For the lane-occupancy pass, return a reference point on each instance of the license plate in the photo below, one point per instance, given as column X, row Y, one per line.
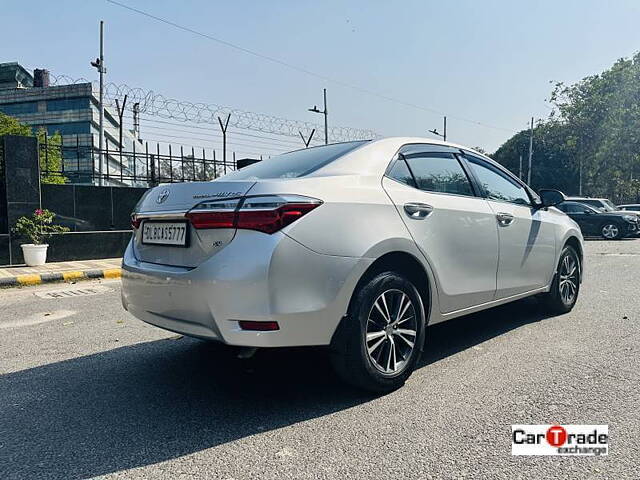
column 165, row 233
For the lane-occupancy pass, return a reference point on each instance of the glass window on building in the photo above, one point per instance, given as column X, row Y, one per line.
column 67, row 104
column 19, row 108
column 71, row 128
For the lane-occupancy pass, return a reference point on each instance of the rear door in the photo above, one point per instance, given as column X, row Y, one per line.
column 164, row 235
column 454, row 228
column 526, row 234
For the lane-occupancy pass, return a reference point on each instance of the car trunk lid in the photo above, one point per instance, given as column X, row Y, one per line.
column 167, row 205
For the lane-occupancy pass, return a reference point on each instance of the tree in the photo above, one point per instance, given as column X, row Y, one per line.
column 594, row 129
column 11, row 126
column 50, row 157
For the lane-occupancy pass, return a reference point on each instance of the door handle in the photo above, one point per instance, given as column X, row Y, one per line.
column 504, row 219
column 417, row 211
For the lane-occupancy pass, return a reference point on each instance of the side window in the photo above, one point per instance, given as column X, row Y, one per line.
column 439, row 172
column 401, row 173
column 497, row 185
column 572, row 208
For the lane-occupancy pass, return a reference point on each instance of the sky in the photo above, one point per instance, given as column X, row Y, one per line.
column 488, row 65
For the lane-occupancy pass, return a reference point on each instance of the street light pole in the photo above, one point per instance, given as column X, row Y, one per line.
column 530, row 153
column 444, row 134
column 99, row 65
column 325, row 113
column 580, row 175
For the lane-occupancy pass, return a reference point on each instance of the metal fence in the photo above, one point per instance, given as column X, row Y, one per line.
column 140, row 166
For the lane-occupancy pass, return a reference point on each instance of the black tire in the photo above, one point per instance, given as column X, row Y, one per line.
column 350, row 348
column 556, row 300
column 608, row 227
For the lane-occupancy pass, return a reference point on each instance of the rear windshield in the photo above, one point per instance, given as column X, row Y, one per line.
column 294, row 164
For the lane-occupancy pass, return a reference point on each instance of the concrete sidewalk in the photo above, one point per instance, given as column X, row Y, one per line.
column 20, row 275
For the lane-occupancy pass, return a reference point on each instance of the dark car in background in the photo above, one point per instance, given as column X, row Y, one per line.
column 594, row 222
column 604, row 204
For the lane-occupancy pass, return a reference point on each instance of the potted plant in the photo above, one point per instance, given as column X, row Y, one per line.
column 37, row 228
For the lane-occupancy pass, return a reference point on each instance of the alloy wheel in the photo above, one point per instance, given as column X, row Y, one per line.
column 610, row 231
column 568, row 284
column 391, row 331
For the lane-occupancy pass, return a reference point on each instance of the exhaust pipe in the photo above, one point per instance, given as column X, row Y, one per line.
column 246, row 352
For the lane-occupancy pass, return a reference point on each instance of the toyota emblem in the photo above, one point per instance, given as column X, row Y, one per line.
column 162, row 196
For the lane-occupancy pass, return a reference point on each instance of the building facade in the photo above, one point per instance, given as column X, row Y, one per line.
column 73, row 112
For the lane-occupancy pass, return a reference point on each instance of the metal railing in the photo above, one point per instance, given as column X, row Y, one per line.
column 141, row 166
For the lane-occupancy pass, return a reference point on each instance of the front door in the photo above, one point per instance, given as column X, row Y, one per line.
column 454, row 228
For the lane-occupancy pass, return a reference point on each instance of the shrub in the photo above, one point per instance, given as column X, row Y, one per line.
column 38, row 227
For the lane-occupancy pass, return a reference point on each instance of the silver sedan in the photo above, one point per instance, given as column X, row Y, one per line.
column 357, row 246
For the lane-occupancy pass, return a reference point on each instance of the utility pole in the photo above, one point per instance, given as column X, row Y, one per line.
column 99, row 65
column 530, row 152
column 444, row 134
column 325, row 112
column 520, row 170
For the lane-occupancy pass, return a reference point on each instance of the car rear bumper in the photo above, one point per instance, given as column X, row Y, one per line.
column 256, row 277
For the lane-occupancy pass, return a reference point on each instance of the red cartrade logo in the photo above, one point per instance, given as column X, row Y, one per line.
column 560, row 440
column 556, row 436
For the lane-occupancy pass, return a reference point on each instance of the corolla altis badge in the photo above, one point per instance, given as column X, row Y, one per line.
column 162, row 196
column 219, row 194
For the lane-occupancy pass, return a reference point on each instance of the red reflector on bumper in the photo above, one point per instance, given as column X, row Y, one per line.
column 258, row 326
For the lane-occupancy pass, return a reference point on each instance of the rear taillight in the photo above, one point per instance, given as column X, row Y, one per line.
column 135, row 221
column 265, row 213
column 214, row 214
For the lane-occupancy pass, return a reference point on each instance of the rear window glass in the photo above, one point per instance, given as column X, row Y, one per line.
column 294, row 164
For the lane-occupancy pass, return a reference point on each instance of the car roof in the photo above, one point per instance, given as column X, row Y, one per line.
column 586, row 198
column 403, row 140
column 568, row 200
column 374, row 156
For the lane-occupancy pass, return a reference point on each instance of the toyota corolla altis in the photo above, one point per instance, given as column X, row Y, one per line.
column 357, row 246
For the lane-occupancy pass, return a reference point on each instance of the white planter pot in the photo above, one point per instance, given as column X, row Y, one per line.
column 34, row 255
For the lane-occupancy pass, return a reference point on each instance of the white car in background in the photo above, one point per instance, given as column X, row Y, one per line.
column 630, row 207
column 357, row 246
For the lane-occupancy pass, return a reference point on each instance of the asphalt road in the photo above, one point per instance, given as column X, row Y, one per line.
column 86, row 391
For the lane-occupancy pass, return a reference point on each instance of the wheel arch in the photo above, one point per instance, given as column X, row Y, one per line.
column 404, row 263
column 574, row 242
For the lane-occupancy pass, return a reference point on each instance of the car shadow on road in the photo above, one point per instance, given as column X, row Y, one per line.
column 448, row 338
column 146, row 403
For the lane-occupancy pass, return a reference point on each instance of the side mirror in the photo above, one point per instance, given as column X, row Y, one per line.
column 550, row 197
